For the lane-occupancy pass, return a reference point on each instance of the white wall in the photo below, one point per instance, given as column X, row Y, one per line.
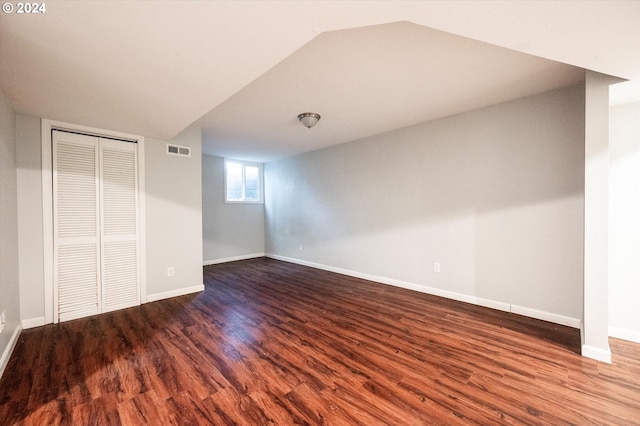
column 174, row 216
column 494, row 195
column 9, row 272
column 31, row 259
column 595, row 330
column 624, row 214
column 231, row 231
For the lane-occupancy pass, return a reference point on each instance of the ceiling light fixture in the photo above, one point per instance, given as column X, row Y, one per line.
column 309, row 119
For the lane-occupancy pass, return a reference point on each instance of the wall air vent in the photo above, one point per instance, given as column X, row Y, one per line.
column 182, row 151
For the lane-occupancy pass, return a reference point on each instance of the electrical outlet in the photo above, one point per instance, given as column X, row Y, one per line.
column 436, row 267
column 170, row 271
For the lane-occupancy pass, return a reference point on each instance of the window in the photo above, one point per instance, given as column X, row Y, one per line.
column 243, row 182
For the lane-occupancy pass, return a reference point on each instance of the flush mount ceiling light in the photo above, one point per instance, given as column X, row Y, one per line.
column 309, row 119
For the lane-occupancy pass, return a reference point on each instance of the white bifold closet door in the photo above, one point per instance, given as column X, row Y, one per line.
column 95, row 197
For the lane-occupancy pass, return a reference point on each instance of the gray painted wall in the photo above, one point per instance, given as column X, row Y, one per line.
column 229, row 230
column 9, row 273
column 174, row 215
column 31, row 260
column 624, row 216
column 493, row 195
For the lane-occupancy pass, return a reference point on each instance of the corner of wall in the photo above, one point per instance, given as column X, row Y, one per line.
column 9, row 246
column 597, row 353
column 8, row 350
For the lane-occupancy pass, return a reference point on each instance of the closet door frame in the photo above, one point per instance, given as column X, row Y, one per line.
column 47, row 126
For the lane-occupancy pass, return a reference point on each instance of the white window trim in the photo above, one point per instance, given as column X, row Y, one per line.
column 260, row 186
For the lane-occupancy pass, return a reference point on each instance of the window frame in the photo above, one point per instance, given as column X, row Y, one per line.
column 244, row 165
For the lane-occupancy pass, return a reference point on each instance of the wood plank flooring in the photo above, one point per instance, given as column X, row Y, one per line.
column 273, row 343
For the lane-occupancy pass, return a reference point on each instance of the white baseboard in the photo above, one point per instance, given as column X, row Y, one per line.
column 175, row 293
column 9, row 349
column 625, row 334
column 232, row 259
column 546, row 316
column 599, row 354
column 32, row 322
column 488, row 303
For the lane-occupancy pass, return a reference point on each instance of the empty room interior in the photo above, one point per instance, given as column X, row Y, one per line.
column 369, row 212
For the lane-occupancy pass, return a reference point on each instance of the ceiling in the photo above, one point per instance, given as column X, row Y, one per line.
column 371, row 80
column 243, row 70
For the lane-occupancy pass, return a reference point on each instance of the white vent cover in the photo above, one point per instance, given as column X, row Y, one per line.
column 182, row 151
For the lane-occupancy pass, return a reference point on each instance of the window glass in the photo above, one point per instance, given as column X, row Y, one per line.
column 243, row 182
column 252, row 183
column 234, row 181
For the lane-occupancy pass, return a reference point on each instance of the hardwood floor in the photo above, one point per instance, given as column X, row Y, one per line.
column 273, row 343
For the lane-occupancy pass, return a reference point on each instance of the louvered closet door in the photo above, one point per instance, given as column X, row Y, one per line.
column 95, row 225
column 119, row 238
column 76, row 225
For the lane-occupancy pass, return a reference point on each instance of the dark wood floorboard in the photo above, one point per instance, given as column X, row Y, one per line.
column 273, row 343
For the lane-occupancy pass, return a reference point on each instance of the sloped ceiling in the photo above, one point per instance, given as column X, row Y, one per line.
column 154, row 68
column 371, row 80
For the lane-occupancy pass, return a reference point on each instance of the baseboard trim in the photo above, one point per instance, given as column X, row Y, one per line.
column 487, row 303
column 625, row 334
column 599, row 354
column 6, row 355
column 32, row 323
column 546, row 316
column 174, row 293
column 232, row 259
